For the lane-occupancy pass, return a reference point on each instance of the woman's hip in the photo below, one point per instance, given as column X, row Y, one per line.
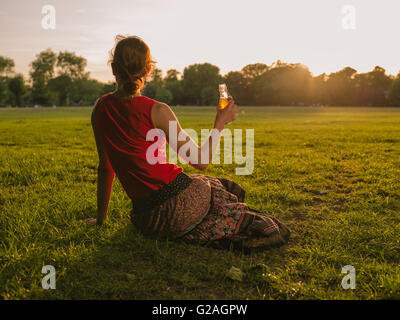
column 179, row 211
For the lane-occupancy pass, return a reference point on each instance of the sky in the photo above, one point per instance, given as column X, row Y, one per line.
column 226, row 33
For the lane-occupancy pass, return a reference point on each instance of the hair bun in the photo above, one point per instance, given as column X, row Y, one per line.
column 131, row 87
column 131, row 63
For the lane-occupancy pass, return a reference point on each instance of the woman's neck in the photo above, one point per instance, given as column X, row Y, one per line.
column 120, row 94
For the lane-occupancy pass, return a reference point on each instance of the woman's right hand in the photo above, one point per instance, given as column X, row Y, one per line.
column 228, row 114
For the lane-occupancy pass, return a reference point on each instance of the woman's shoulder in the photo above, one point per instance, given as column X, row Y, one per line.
column 99, row 103
column 145, row 103
column 147, row 100
column 103, row 98
column 140, row 102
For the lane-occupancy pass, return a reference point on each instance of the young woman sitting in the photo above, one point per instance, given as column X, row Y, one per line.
column 167, row 203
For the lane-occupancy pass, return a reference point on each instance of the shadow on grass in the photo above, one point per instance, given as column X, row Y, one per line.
column 127, row 265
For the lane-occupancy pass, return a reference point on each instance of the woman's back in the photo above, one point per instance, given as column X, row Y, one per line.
column 122, row 125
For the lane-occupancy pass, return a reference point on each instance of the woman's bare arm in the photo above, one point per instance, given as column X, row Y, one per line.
column 162, row 114
column 105, row 177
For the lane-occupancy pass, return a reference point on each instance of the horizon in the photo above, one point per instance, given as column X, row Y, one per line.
column 308, row 32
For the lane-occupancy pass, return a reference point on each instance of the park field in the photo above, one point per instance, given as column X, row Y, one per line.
column 332, row 175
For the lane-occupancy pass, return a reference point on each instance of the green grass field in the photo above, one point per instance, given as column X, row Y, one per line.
column 331, row 174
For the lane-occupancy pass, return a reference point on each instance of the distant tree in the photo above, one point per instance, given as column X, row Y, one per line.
column 163, row 95
column 250, row 81
column 362, row 89
column 236, row 86
column 150, row 90
column 174, row 86
column 70, row 70
column 61, row 78
column 6, row 66
column 196, row 78
column 253, row 71
column 319, row 89
column 287, row 84
column 71, row 65
column 17, row 87
column 42, row 70
column 72, row 78
column 156, row 78
column 341, row 87
column 209, row 96
column 4, row 91
column 394, row 94
column 86, row 91
column 172, row 75
column 153, row 83
column 108, row 87
column 381, row 84
column 373, row 88
column 6, row 69
column 61, row 87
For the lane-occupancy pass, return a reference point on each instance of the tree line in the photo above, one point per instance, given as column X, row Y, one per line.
column 61, row 79
column 54, row 79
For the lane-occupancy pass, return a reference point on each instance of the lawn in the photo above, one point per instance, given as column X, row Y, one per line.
column 331, row 174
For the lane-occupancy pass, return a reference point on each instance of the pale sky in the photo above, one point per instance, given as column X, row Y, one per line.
column 227, row 33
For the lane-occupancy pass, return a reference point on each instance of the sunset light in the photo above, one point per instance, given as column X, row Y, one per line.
column 229, row 34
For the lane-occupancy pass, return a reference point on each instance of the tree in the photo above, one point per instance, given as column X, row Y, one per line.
column 174, row 86
column 61, row 87
column 70, row 69
column 209, row 96
column 156, row 78
column 4, row 91
column 319, row 89
column 236, row 86
column 61, row 78
column 284, row 84
column 255, row 70
column 42, row 70
column 6, row 66
column 163, row 95
column 251, row 74
column 196, row 78
column 172, row 75
column 108, row 87
column 394, row 94
column 17, row 87
column 373, row 88
column 86, row 91
column 71, row 65
column 341, row 87
column 153, row 83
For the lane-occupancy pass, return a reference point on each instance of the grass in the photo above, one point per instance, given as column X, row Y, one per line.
column 331, row 174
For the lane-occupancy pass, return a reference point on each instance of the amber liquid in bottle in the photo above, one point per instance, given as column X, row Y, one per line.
column 223, row 96
column 223, row 102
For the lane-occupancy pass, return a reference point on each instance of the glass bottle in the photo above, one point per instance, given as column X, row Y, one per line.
column 223, row 96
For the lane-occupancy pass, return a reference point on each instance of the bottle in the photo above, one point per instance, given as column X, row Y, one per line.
column 223, row 96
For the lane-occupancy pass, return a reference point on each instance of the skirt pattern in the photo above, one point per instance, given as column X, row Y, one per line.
column 212, row 211
column 231, row 222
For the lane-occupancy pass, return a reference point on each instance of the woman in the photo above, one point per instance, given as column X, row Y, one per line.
column 166, row 201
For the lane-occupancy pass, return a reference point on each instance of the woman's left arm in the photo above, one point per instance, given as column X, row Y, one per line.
column 105, row 177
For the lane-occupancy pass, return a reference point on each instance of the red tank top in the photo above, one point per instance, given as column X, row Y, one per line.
column 122, row 125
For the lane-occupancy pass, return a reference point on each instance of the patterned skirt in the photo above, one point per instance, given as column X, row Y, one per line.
column 207, row 210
